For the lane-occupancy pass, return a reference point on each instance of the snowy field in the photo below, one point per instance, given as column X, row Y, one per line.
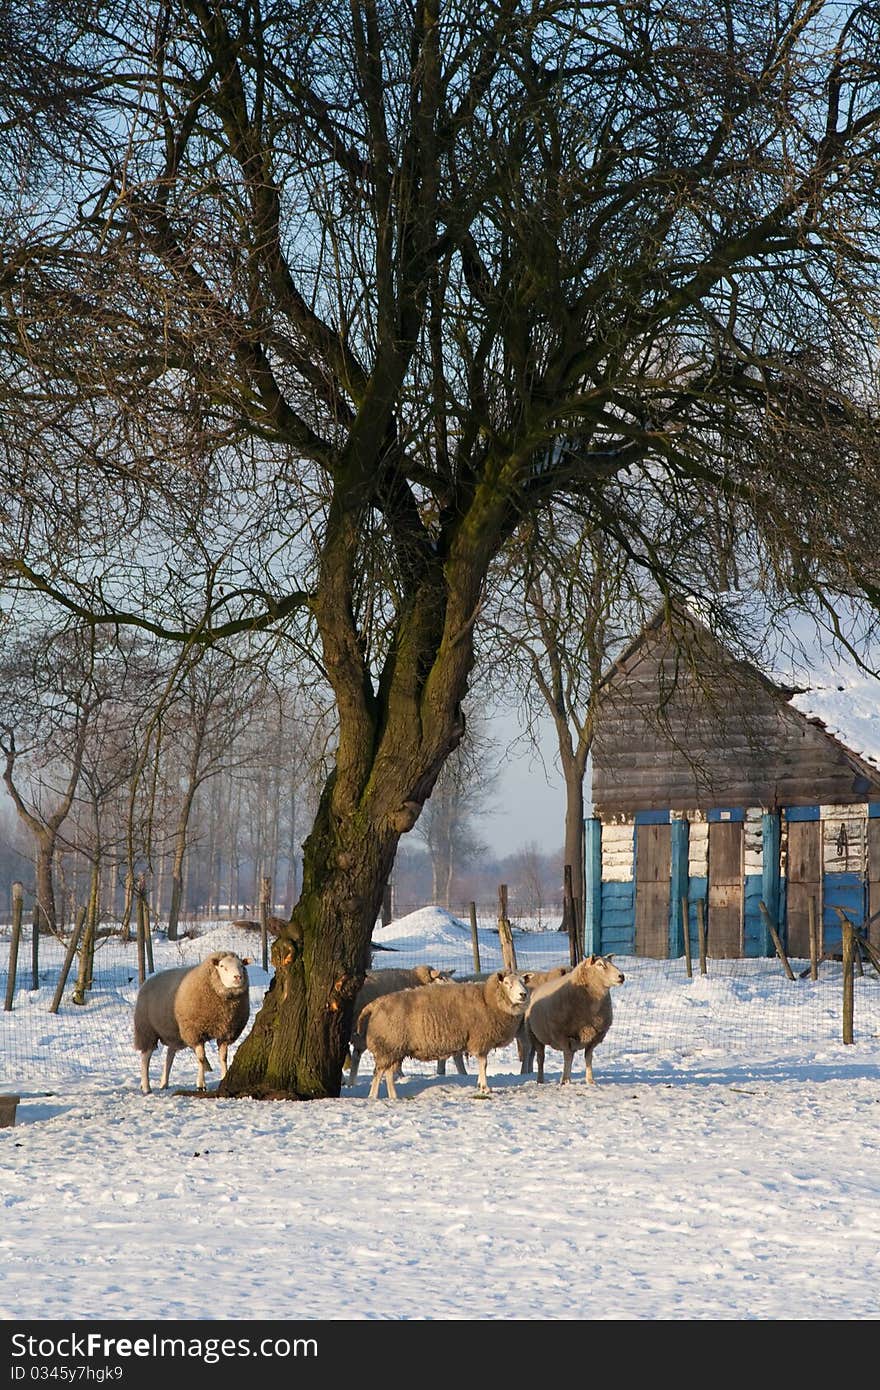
column 725, row 1166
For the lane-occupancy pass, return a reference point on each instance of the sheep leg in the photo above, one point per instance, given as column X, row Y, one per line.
column 568, row 1058
column 588, row 1062
column 171, row 1052
column 460, row 1067
column 441, row 1066
column 221, row 1052
column 374, row 1084
column 389, row 1083
column 203, row 1065
column 145, row 1071
column 482, row 1083
column 356, row 1055
column 539, row 1055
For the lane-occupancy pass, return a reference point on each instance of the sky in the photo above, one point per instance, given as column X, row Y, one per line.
column 527, row 804
column 725, row 1166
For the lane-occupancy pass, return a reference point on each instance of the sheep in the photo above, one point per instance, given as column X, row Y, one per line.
column 573, row 1012
column 431, row 1024
column 186, row 1007
column 379, row 982
column 532, row 979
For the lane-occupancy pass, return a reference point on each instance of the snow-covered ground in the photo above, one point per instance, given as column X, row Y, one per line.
column 725, row 1166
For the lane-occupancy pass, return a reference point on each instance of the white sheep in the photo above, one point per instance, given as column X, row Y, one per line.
column 188, row 1006
column 533, row 979
column 379, row 982
column 430, row 1024
column 573, row 1012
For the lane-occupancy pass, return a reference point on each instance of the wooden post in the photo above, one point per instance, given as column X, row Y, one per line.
column 68, row 960
column 505, row 935
column 848, row 945
column 148, row 937
column 265, row 890
column 686, row 937
column 569, row 916
column 386, row 905
column 701, row 933
column 777, row 942
column 475, row 940
column 17, row 910
column 35, row 949
column 141, row 944
column 814, row 941
column 871, row 952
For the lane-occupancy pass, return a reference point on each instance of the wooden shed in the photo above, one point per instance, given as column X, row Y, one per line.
column 710, row 783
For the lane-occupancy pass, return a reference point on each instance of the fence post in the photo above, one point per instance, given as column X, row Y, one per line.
column 68, row 960
column 35, row 948
column 141, row 944
column 777, row 941
column 686, row 935
column 17, row 909
column 814, row 941
column 386, row 905
column 701, row 933
column 148, row 930
column 848, row 944
column 475, row 940
column 505, row 935
column 265, row 890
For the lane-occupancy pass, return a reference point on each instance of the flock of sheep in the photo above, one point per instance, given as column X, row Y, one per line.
column 420, row 1013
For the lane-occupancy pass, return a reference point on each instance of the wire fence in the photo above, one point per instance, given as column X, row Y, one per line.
column 659, row 1010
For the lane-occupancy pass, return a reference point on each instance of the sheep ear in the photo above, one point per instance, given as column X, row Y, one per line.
column 592, row 960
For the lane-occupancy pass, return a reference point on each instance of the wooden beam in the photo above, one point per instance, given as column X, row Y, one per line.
column 777, row 942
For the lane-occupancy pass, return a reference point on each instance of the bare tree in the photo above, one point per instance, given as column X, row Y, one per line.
column 53, row 687
column 564, row 608
column 461, row 794
column 305, row 310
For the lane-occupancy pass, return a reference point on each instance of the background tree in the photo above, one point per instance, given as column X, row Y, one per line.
column 448, row 825
column 306, row 309
column 52, row 687
column 565, row 608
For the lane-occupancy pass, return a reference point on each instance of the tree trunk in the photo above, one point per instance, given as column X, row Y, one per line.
column 177, row 861
column 45, row 882
column 299, row 1039
column 448, row 871
column 574, row 829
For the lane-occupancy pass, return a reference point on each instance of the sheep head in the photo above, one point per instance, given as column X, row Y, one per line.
column 231, row 973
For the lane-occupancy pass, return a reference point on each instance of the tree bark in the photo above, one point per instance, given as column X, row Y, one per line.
column 299, row 1038
column 574, row 825
column 45, row 885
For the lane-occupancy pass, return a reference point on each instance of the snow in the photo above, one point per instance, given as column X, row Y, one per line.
column 726, row 1165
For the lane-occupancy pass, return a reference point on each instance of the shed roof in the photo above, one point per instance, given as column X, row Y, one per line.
column 814, row 679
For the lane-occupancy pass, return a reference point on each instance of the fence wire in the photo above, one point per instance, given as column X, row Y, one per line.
column 738, row 1004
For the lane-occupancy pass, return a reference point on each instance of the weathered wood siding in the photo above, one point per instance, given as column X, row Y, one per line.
column 689, row 727
column 653, row 871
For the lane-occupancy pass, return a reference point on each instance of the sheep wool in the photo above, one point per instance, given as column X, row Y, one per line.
column 390, row 981
column 188, row 1006
column 573, row 1013
column 430, row 1024
column 533, row 979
